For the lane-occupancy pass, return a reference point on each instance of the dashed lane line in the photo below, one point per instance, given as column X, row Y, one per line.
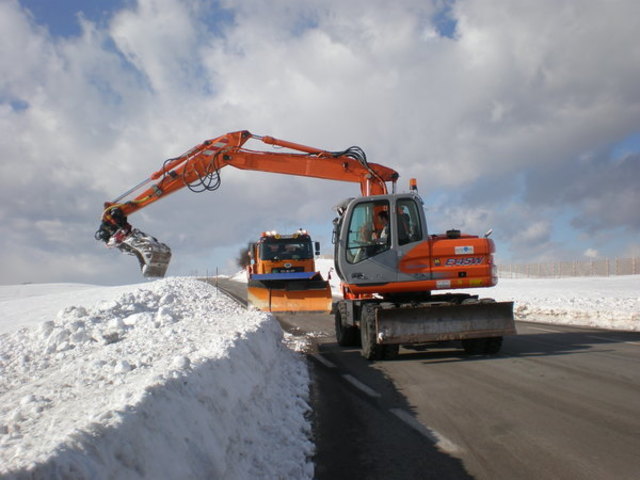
column 361, row 386
column 349, row 378
column 432, row 435
column 436, row 438
column 323, row 361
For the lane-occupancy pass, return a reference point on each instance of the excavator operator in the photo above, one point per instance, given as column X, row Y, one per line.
column 382, row 234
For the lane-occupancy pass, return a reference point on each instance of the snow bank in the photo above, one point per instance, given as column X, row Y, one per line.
column 166, row 380
column 45, row 300
column 600, row 302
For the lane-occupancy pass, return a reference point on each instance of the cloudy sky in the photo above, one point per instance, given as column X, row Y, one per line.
column 519, row 116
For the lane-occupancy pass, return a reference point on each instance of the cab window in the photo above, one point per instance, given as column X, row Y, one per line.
column 409, row 228
column 285, row 250
column 368, row 233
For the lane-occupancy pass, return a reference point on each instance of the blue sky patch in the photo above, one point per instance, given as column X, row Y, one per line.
column 444, row 21
column 61, row 18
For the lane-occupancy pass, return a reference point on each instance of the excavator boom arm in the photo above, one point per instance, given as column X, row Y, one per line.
column 208, row 158
column 199, row 169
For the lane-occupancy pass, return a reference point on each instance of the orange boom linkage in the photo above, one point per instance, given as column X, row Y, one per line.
column 198, row 169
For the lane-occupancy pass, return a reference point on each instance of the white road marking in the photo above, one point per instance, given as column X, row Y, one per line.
column 440, row 441
column 361, row 386
column 323, row 360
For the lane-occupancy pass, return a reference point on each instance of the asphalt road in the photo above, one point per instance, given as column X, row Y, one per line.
column 556, row 403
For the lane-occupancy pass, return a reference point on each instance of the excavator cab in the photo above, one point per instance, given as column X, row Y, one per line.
column 372, row 235
column 408, row 260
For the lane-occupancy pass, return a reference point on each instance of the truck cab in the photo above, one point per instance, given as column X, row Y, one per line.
column 283, row 277
column 276, row 253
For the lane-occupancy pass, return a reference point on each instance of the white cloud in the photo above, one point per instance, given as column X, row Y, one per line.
column 591, row 253
column 520, row 92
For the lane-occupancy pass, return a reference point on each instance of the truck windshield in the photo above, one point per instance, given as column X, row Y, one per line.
column 285, row 249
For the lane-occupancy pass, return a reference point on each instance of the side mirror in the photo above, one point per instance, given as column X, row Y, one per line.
column 317, row 246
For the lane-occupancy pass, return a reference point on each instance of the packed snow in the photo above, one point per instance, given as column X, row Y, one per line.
column 172, row 379
column 600, row 302
column 611, row 303
column 169, row 379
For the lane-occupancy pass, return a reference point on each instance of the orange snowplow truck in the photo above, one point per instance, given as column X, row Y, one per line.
column 399, row 281
column 282, row 275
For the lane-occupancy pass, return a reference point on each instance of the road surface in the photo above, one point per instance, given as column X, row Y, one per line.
column 556, row 403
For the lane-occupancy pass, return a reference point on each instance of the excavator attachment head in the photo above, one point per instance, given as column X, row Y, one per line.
column 116, row 232
column 153, row 256
column 289, row 292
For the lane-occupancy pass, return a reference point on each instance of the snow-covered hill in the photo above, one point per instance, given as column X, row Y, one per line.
column 169, row 379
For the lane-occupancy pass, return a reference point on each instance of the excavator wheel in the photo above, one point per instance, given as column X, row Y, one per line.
column 347, row 336
column 371, row 350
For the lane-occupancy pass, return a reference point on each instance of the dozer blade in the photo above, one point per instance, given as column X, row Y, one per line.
column 153, row 256
column 423, row 324
column 289, row 292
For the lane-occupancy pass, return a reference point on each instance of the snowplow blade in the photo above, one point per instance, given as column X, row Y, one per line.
column 289, row 292
column 153, row 255
column 424, row 324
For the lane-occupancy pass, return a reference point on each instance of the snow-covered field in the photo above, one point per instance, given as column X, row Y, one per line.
column 600, row 302
column 171, row 379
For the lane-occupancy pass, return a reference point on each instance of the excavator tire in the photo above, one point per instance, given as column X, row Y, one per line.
column 370, row 349
column 346, row 336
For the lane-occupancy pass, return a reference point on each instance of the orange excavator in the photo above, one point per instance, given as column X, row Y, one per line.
column 389, row 264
